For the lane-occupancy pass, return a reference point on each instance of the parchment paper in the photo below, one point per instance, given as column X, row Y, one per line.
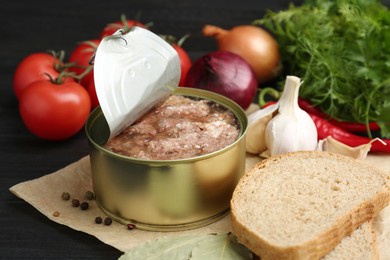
column 45, row 195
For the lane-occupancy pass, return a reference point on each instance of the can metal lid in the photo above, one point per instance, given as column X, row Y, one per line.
column 132, row 73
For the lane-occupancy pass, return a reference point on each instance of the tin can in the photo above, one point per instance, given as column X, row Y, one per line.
column 166, row 195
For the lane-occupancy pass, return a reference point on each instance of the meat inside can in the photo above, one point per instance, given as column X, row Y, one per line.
column 178, row 127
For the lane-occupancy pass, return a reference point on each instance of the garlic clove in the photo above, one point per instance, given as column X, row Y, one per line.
column 265, row 154
column 292, row 129
column 332, row 145
column 257, row 122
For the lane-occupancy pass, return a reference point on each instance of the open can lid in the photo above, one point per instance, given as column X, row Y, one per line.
column 132, row 73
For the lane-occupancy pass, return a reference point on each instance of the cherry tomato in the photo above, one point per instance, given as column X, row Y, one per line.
column 54, row 111
column 34, row 67
column 185, row 62
column 81, row 56
column 92, row 93
column 111, row 28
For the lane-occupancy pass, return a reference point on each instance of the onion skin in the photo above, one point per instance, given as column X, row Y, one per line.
column 257, row 46
column 224, row 73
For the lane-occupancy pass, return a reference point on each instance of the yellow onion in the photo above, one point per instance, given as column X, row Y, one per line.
column 256, row 45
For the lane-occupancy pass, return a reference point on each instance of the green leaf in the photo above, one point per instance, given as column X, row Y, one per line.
column 210, row 247
column 221, row 247
column 169, row 248
column 341, row 50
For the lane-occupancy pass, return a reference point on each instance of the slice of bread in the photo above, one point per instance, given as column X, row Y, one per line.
column 301, row 205
column 360, row 245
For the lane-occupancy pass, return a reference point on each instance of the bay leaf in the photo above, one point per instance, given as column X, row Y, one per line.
column 170, row 248
column 218, row 247
column 210, row 247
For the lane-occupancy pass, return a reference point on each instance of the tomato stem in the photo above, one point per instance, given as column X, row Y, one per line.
column 137, row 20
column 59, row 59
column 168, row 38
column 181, row 41
column 62, row 67
column 173, row 40
column 125, row 26
column 82, row 75
column 59, row 80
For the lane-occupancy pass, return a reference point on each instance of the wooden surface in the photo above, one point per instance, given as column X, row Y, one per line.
column 35, row 26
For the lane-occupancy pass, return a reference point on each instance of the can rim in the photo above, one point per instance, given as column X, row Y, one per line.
column 165, row 227
column 185, row 91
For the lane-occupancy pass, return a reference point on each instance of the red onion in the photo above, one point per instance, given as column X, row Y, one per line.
column 225, row 73
column 254, row 44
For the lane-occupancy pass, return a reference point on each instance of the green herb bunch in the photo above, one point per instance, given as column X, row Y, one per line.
column 341, row 50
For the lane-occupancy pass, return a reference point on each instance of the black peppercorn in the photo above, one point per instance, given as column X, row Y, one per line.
column 98, row 220
column 89, row 195
column 107, row 221
column 65, row 196
column 84, row 205
column 75, row 203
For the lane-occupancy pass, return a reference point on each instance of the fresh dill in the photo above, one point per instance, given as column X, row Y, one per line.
column 341, row 50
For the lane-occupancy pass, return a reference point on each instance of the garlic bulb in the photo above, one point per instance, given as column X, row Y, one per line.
column 292, row 129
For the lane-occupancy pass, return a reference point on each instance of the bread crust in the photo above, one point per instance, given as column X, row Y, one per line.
column 374, row 245
column 360, row 245
column 327, row 239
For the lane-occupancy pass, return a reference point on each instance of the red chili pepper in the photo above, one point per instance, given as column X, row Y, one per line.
column 348, row 126
column 269, row 103
column 325, row 129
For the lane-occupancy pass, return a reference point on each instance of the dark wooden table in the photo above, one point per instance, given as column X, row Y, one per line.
column 35, row 26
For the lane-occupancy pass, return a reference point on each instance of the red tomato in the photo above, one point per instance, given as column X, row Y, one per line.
column 111, row 28
column 81, row 55
column 54, row 111
column 34, row 67
column 92, row 93
column 185, row 62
